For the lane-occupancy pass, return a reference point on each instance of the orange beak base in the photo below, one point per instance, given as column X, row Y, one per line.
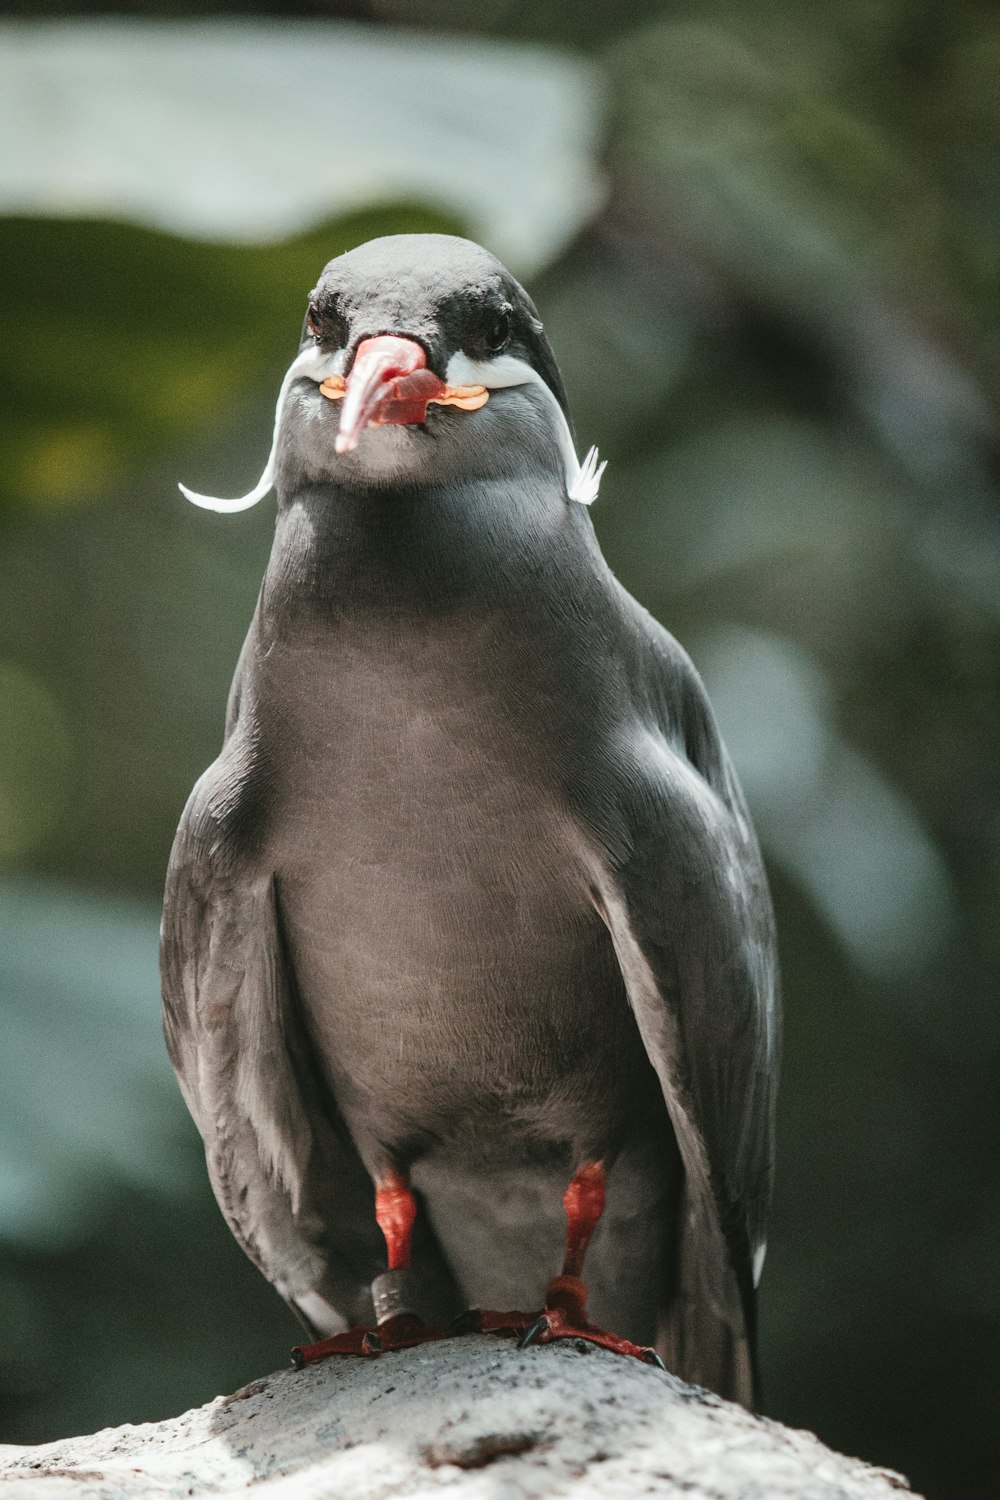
column 389, row 383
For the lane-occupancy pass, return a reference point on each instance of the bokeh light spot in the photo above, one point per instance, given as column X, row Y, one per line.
column 59, row 466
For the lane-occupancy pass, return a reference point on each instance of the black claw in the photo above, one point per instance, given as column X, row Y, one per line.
column 651, row 1357
column 529, row 1335
column 371, row 1343
column 298, row 1359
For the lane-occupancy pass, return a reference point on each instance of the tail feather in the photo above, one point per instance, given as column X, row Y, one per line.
column 707, row 1332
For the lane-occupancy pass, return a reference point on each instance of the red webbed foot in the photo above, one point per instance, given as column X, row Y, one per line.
column 563, row 1317
column 404, row 1331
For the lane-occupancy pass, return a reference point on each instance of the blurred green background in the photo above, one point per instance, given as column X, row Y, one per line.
column 764, row 239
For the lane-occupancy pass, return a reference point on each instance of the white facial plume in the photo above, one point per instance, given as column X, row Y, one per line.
column 582, row 480
column 312, row 364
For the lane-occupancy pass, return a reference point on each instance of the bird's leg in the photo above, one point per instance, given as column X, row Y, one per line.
column 398, row 1325
column 565, row 1312
column 395, row 1214
column 583, row 1202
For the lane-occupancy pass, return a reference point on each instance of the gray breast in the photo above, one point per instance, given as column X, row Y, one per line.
column 461, row 990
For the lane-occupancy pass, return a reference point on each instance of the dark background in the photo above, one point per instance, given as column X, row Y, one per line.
column 781, row 329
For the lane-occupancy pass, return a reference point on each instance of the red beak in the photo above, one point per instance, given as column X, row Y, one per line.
column 389, row 382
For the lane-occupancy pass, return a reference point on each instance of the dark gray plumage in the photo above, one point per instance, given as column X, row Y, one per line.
column 471, row 890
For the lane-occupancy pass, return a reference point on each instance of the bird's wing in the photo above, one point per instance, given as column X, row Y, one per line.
column 282, row 1165
column 688, row 909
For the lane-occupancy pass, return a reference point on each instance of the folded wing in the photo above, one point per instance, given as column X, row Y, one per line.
column 285, row 1173
column 687, row 905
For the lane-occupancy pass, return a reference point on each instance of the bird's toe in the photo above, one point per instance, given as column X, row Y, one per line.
column 363, row 1341
column 554, row 1325
column 403, row 1331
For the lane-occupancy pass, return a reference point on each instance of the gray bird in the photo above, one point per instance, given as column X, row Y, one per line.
column 468, row 954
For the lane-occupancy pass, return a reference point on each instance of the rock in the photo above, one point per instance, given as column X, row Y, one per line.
column 469, row 1417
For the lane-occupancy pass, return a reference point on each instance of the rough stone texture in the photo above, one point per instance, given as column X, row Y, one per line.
column 473, row 1417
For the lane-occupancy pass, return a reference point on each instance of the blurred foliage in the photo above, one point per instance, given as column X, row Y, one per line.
column 119, row 342
column 783, row 332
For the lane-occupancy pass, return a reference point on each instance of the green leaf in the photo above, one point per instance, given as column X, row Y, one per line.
column 119, row 340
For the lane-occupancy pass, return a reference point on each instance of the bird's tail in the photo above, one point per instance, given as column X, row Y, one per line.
column 707, row 1332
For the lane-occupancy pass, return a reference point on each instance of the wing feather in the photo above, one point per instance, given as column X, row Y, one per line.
column 687, row 905
column 286, row 1175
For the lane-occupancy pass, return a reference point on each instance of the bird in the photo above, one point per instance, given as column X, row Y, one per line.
column 468, row 956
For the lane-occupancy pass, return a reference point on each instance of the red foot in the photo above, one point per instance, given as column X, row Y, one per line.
column 564, row 1317
column 402, row 1332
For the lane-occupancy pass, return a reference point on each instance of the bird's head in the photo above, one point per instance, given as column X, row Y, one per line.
column 421, row 358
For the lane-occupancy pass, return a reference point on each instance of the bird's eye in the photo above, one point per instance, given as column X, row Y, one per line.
column 326, row 324
column 497, row 333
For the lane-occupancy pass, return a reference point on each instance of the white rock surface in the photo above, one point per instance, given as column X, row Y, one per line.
column 471, row 1417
